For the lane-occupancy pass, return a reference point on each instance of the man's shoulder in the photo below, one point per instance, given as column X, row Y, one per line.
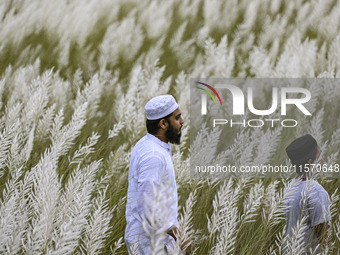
column 147, row 148
column 318, row 192
column 317, row 186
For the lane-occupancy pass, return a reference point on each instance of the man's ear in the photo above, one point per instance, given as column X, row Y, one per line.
column 163, row 123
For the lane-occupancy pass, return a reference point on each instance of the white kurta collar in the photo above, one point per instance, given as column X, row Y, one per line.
column 158, row 141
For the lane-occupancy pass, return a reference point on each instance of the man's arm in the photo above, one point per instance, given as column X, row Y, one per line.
column 153, row 195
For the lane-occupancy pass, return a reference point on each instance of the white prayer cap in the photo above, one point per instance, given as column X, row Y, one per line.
column 160, row 106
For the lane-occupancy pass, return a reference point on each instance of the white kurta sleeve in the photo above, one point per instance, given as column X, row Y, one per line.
column 319, row 210
column 152, row 200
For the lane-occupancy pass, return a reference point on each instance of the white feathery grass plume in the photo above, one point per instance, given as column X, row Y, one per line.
column 3, row 82
column 16, row 157
column 250, row 16
column 120, row 206
column 281, row 241
column 96, row 230
column 267, row 145
column 241, row 155
column 252, row 203
column 47, row 186
column 315, row 129
column 118, row 44
column 91, row 95
column 327, row 13
column 334, row 53
column 6, row 140
column 188, row 8
column 20, row 80
column 77, row 79
column 296, row 244
column 260, row 63
column 151, row 78
column 85, row 150
column 25, row 153
column 12, row 113
column 10, row 187
column 44, row 198
column 182, row 167
column 335, row 140
column 185, row 53
column 117, row 160
column 336, row 227
column 269, row 195
column 61, row 91
column 64, row 55
column 334, row 198
column 329, row 89
column 62, row 136
column 225, row 200
column 36, row 97
column 178, row 36
column 143, row 85
column 161, row 11
column 225, row 218
column 333, row 210
column 204, row 147
column 45, row 122
column 116, row 129
column 152, row 55
column 185, row 219
column 55, row 18
column 316, row 89
column 57, row 125
column 227, row 238
column 119, row 243
column 72, row 210
column 274, row 201
column 29, row 54
column 182, row 50
column 219, row 60
column 302, row 55
column 157, row 213
column 16, row 212
column 274, row 30
column 212, row 13
column 330, row 163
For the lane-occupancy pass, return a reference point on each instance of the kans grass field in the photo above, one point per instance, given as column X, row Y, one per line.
column 74, row 79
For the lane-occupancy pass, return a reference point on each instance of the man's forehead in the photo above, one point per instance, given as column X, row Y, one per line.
column 176, row 112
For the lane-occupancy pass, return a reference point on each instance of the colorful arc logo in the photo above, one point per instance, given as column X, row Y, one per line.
column 207, row 91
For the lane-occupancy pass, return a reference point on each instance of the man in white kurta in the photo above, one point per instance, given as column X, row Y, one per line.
column 151, row 165
column 152, row 203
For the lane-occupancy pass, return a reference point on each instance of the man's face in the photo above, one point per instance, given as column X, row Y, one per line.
column 174, row 131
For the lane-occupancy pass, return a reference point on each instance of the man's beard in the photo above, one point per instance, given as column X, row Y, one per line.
column 172, row 136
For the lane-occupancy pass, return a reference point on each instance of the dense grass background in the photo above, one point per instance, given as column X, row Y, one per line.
column 115, row 55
